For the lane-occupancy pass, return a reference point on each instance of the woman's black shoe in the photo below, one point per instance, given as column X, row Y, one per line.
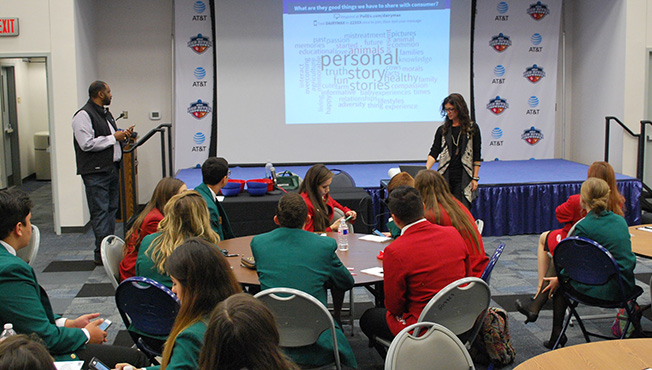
column 529, row 316
column 562, row 342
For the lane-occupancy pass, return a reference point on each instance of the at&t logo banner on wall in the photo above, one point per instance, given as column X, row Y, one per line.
column 515, row 69
column 194, row 82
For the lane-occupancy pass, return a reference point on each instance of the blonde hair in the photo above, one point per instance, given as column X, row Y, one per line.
column 595, row 194
column 434, row 190
column 186, row 216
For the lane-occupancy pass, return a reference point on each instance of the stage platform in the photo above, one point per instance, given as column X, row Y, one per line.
column 515, row 197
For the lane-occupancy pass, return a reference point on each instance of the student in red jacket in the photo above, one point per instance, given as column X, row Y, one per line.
column 147, row 223
column 442, row 208
column 315, row 190
column 568, row 214
column 420, row 263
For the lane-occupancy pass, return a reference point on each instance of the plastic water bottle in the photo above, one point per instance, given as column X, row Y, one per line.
column 343, row 236
column 8, row 332
column 268, row 170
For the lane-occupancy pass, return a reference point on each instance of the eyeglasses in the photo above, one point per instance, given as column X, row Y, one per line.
column 229, row 173
column 447, row 110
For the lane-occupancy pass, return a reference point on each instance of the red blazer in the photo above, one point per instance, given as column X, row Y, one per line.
column 568, row 213
column 330, row 204
column 149, row 226
column 479, row 259
column 420, row 263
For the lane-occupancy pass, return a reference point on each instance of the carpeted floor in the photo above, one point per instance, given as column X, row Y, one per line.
column 64, row 268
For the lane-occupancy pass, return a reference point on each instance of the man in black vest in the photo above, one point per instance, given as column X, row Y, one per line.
column 98, row 149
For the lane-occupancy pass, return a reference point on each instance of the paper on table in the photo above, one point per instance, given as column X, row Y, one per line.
column 375, row 238
column 645, row 228
column 375, row 271
column 68, row 365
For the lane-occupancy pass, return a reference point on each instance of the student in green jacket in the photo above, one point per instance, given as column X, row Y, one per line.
column 609, row 230
column 201, row 278
column 186, row 216
column 26, row 305
column 291, row 257
column 215, row 174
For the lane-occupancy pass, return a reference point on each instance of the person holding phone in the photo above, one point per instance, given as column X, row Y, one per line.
column 201, row 278
column 315, row 190
column 98, row 151
column 26, row 305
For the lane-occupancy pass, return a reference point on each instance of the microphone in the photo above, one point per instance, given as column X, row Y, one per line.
column 120, row 116
column 273, row 171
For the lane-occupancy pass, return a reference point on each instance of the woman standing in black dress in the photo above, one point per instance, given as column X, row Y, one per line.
column 457, row 147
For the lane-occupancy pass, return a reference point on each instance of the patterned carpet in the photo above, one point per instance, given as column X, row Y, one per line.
column 64, row 268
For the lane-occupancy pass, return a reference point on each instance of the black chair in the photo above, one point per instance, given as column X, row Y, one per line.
column 486, row 274
column 150, row 308
column 586, row 262
column 341, row 179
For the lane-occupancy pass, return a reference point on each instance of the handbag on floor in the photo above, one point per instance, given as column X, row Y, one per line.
column 493, row 344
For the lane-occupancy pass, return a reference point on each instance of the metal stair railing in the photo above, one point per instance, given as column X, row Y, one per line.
column 640, row 160
column 166, row 166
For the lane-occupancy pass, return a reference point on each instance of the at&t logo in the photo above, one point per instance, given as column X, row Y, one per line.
column 199, row 7
column 199, row 139
column 199, row 73
column 499, row 71
column 502, row 8
column 496, row 134
column 533, row 103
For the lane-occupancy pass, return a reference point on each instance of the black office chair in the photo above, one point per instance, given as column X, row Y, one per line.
column 585, row 261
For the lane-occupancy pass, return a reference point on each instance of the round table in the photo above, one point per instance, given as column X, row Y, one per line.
column 607, row 355
column 360, row 256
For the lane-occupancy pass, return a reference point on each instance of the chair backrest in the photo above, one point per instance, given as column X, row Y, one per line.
column 342, row 179
column 111, row 250
column 572, row 229
column 460, row 307
column 486, row 274
column 480, row 225
column 300, row 317
column 28, row 254
column 147, row 304
column 437, row 348
column 585, row 261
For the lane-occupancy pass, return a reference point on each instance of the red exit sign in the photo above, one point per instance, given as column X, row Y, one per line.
column 8, row 26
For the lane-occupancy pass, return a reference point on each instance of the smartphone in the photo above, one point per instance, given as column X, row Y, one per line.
column 105, row 325
column 348, row 218
column 96, row 364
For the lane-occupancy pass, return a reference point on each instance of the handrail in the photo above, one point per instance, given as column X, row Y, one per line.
column 640, row 160
column 163, row 129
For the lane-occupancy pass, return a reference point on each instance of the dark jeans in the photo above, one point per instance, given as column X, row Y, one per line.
column 457, row 189
column 103, row 195
column 374, row 324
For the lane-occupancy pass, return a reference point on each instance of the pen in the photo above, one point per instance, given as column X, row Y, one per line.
column 378, row 233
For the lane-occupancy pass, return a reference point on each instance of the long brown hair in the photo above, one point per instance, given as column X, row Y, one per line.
column 317, row 175
column 206, row 280
column 186, row 216
column 164, row 190
column 457, row 101
column 604, row 171
column 434, row 190
column 242, row 334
